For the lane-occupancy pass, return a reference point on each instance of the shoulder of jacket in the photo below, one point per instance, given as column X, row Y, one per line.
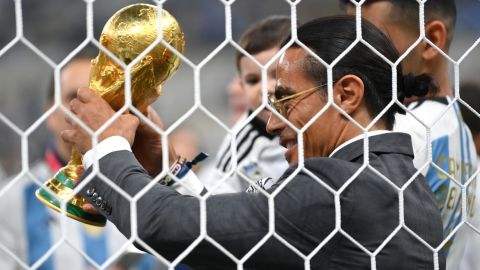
column 331, row 171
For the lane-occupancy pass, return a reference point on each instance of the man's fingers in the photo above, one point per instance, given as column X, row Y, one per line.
column 151, row 115
column 132, row 119
column 80, row 170
column 74, row 105
column 77, row 139
column 90, row 209
column 68, row 120
column 84, row 94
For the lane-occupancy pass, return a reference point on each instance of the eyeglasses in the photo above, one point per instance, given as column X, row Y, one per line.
column 279, row 104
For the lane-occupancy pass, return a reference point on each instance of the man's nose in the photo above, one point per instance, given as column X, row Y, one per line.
column 274, row 124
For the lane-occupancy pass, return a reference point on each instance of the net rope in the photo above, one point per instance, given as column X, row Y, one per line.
column 199, row 106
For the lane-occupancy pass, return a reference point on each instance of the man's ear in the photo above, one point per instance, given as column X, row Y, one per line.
column 436, row 32
column 348, row 93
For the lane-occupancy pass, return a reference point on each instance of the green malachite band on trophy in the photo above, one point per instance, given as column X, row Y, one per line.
column 63, row 179
column 72, row 211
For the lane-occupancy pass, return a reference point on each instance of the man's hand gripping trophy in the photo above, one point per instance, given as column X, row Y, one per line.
column 126, row 35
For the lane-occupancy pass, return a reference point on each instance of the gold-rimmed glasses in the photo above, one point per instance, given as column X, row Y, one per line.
column 278, row 104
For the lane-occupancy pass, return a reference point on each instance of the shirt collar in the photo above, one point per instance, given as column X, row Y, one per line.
column 357, row 138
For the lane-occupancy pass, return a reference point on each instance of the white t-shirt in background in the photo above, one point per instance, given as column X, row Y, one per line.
column 453, row 151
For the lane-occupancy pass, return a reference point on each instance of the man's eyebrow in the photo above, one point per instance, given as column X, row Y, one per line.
column 281, row 91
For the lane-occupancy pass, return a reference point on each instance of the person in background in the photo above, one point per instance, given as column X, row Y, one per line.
column 305, row 211
column 33, row 229
column 450, row 138
column 237, row 99
column 29, row 228
column 470, row 93
column 258, row 156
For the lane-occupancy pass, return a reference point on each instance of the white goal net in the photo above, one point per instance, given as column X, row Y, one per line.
column 197, row 112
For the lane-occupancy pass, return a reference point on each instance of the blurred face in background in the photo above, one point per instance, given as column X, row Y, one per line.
column 73, row 76
column 251, row 79
column 237, row 99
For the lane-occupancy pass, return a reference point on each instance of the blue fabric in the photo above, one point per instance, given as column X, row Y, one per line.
column 37, row 222
column 95, row 246
column 148, row 262
column 183, row 267
column 439, row 182
column 463, row 130
column 464, row 175
column 462, row 139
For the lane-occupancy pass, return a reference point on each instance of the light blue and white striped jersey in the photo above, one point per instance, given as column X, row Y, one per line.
column 453, row 151
column 470, row 259
column 29, row 229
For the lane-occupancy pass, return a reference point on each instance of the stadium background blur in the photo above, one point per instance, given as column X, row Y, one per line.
column 57, row 27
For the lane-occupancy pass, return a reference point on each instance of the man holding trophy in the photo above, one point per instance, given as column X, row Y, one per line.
column 126, row 35
column 166, row 221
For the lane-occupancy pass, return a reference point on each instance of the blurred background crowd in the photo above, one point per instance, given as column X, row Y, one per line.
column 57, row 27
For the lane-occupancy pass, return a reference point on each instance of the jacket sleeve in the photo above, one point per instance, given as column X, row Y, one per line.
column 169, row 222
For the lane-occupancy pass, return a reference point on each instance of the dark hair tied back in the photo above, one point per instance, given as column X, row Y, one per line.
column 329, row 37
column 418, row 85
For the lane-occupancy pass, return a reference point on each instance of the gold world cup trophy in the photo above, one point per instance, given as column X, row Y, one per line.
column 126, row 35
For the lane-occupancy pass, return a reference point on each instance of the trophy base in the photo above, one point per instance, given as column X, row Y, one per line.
column 73, row 211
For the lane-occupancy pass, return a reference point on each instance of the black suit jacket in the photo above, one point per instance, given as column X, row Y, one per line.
column 307, row 220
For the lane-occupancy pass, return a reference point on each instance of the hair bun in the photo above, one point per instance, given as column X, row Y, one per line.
column 418, row 85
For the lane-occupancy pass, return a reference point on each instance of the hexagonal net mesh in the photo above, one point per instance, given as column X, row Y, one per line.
column 336, row 215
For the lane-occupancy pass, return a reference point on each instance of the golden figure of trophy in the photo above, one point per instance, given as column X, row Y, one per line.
column 126, row 35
